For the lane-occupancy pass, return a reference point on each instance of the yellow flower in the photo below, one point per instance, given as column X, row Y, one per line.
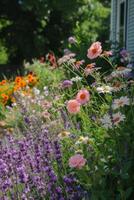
column 63, row 134
column 82, row 140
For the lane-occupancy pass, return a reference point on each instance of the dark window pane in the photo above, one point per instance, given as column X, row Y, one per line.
column 122, row 13
column 122, row 23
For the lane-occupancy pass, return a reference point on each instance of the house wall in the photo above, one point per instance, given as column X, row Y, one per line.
column 113, row 20
column 129, row 25
column 130, row 28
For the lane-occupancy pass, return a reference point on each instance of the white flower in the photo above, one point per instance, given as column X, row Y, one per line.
column 36, row 91
column 27, row 64
column 121, row 71
column 104, row 89
column 117, row 86
column 45, row 88
column 82, row 140
column 76, row 79
column 117, row 118
column 46, row 91
column 65, row 58
column 72, row 61
column 72, row 40
column 106, row 121
column 120, row 102
column 14, row 104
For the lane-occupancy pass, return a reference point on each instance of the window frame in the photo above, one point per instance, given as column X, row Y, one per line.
column 118, row 21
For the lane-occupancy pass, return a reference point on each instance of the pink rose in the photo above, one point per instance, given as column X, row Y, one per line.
column 83, row 96
column 73, row 106
column 95, row 50
column 77, row 161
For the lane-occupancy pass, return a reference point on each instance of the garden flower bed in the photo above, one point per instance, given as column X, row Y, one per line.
column 67, row 130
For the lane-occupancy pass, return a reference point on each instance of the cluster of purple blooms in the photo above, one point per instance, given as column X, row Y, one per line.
column 31, row 168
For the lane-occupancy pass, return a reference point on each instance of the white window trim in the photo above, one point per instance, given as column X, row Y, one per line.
column 118, row 20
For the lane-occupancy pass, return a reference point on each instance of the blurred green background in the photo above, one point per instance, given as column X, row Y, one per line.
column 31, row 28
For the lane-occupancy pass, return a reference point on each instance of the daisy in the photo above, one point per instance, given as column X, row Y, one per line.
column 121, row 71
column 106, row 121
column 117, row 86
column 117, row 118
column 104, row 89
column 120, row 102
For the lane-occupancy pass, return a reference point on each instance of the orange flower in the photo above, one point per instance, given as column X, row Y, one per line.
column 4, row 98
column 32, row 79
column 22, row 83
column 3, row 82
column 18, row 79
column 16, row 88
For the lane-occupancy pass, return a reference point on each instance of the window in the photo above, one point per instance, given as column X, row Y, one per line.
column 121, row 22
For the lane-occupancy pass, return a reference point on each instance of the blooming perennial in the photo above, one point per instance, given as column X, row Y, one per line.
column 82, row 140
column 72, row 40
column 106, row 121
column 95, row 50
column 83, row 96
column 73, row 106
column 64, row 134
column 66, row 84
column 104, row 89
column 109, row 121
column 122, row 101
column 117, row 118
column 76, row 79
column 77, row 161
column 89, row 69
column 121, row 71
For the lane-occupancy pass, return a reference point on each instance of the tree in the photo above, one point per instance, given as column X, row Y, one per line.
column 36, row 26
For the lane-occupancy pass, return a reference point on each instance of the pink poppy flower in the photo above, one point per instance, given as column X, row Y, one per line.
column 73, row 106
column 83, row 96
column 77, row 161
column 95, row 50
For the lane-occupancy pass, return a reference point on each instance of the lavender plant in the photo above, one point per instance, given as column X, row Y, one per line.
column 29, row 169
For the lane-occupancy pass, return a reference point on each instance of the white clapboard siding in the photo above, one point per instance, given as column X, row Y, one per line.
column 130, row 28
column 113, row 20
